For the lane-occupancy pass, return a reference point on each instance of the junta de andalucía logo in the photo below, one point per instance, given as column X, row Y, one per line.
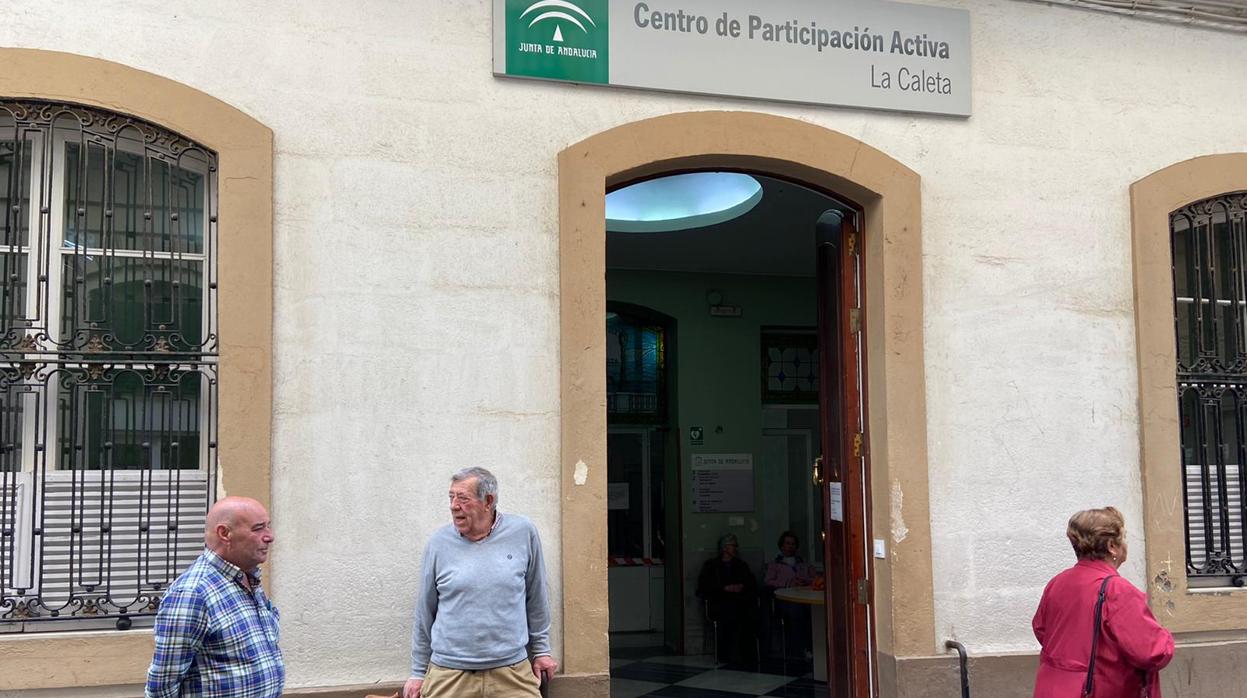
column 560, row 10
column 558, row 39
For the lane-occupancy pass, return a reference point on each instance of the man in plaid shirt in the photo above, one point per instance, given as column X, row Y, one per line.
column 216, row 631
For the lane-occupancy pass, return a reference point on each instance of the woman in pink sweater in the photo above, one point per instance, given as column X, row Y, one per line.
column 1132, row 647
column 789, row 570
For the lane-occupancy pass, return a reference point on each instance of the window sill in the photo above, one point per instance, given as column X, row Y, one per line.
column 1217, row 591
column 84, row 658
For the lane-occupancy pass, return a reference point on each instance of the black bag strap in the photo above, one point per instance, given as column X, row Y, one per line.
column 1089, row 685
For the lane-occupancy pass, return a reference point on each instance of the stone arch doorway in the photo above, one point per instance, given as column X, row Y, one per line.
column 895, row 419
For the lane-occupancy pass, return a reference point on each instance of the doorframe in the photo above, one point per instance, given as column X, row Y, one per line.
column 890, row 196
column 845, row 461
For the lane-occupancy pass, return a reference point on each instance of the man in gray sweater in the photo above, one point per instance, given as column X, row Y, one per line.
column 482, row 624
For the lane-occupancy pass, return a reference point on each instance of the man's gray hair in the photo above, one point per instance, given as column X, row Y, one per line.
column 486, row 483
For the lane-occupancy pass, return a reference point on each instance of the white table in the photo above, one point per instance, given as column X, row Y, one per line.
column 818, row 626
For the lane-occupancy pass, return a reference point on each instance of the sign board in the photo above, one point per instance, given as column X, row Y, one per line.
column 722, row 482
column 855, row 53
column 837, row 501
column 696, row 436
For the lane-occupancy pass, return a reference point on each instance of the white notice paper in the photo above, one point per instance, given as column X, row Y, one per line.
column 837, row 501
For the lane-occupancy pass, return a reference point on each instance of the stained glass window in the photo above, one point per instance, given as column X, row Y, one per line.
column 789, row 365
column 635, row 370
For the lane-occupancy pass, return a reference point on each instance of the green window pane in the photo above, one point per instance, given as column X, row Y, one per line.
column 15, row 193
column 118, row 200
column 13, row 284
column 125, row 420
column 14, row 400
column 132, row 302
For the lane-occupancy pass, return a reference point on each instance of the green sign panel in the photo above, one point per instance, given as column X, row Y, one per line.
column 558, row 39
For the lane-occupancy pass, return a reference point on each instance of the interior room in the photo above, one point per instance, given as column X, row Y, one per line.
column 712, row 408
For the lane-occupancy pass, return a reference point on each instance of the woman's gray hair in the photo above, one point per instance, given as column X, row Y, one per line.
column 725, row 539
column 486, row 483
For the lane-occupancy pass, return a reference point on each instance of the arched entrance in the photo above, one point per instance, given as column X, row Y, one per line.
column 895, row 420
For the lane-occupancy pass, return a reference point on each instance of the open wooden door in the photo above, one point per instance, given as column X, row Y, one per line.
column 843, row 471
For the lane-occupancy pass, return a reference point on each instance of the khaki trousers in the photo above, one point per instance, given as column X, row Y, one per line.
column 515, row 681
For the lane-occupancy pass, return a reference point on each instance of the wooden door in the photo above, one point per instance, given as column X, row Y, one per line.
column 844, row 475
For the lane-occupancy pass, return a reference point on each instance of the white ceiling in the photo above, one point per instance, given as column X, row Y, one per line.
column 775, row 238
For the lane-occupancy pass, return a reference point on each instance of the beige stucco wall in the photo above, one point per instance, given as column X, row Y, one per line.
column 417, row 278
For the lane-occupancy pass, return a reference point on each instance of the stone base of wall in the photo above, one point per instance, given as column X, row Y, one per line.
column 563, row 686
column 1199, row 669
column 996, row 676
column 356, row 691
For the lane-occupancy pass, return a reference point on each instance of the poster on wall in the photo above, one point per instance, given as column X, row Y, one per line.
column 836, row 509
column 722, row 482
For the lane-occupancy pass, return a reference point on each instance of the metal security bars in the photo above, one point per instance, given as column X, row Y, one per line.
column 1210, row 307
column 108, row 363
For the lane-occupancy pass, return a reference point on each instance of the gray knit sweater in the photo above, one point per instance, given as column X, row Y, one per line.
column 481, row 605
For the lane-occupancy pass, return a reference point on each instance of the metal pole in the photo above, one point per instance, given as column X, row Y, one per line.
column 963, row 660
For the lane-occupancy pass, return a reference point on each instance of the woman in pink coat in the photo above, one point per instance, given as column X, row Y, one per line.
column 1132, row 648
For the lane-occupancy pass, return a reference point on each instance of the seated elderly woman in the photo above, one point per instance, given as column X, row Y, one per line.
column 789, row 570
column 728, row 588
column 1098, row 636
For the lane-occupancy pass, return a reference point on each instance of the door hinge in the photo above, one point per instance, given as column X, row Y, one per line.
column 857, row 445
column 863, row 592
column 855, row 320
column 851, row 241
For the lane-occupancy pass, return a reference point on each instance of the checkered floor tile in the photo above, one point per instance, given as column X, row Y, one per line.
column 643, row 672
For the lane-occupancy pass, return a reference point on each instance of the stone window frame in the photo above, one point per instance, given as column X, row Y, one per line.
column 245, row 315
column 52, row 258
column 1152, row 199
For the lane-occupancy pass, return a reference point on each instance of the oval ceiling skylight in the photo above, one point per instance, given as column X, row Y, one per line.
column 681, row 202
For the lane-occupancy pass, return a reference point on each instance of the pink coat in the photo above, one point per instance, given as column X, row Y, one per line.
column 780, row 574
column 1132, row 644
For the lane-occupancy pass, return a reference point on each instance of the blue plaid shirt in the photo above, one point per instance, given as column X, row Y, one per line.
column 214, row 638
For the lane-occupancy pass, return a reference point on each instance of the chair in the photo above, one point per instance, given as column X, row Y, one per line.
column 775, row 619
column 714, row 629
column 770, row 617
column 714, row 632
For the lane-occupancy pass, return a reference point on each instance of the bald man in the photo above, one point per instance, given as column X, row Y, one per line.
column 216, row 631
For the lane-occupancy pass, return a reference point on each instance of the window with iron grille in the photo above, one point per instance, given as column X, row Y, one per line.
column 108, row 363
column 1210, row 307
